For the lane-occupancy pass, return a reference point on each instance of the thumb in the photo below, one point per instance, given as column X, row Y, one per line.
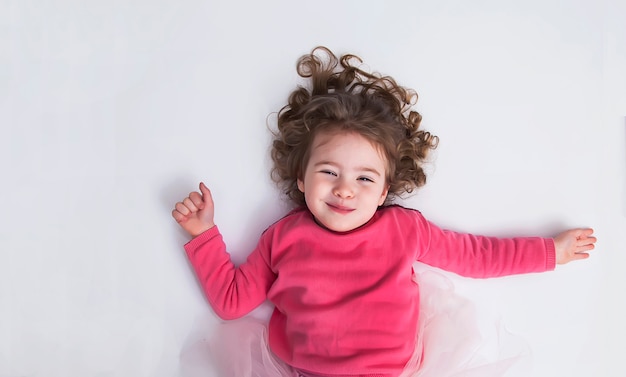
column 585, row 232
column 581, row 234
column 207, row 198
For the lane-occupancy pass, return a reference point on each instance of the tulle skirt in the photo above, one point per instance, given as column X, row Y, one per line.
column 450, row 343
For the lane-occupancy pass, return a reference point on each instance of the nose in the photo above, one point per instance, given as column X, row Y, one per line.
column 343, row 189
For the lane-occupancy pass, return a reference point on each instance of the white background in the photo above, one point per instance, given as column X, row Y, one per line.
column 112, row 111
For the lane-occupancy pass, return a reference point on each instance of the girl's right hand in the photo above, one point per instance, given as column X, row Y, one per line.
column 195, row 213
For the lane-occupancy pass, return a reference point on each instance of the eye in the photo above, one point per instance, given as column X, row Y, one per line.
column 329, row 172
column 365, row 179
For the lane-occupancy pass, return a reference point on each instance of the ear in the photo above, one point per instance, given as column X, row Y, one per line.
column 301, row 185
column 383, row 196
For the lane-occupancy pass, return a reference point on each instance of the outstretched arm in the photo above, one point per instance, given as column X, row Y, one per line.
column 195, row 213
column 573, row 245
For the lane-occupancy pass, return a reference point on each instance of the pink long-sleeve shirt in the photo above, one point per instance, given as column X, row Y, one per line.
column 346, row 304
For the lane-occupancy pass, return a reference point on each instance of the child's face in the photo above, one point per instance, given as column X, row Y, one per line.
column 344, row 181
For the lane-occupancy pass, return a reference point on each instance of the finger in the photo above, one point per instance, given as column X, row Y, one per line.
column 196, row 199
column 179, row 217
column 189, row 204
column 579, row 256
column 590, row 240
column 584, row 248
column 180, row 207
column 206, row 193
column 585, row 241
column 584, row 233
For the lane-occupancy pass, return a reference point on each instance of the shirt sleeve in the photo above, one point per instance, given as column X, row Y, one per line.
column 232, row 291
column 481, row 256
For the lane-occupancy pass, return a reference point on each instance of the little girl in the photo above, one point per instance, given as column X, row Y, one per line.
column 338, row 268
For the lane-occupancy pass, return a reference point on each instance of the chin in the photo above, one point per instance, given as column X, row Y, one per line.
column 342, row 228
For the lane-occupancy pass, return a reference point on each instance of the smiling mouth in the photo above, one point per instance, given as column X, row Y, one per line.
column 339, row 209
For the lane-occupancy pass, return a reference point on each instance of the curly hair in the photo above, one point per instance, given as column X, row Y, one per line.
column 345, row 98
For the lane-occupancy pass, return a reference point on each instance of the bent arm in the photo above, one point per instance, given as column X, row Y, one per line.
column 232, row 291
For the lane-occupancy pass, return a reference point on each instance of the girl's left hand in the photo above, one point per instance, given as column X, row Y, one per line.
column 573, row 245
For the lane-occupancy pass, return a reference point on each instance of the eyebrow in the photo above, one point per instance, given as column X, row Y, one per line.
column 358, row 168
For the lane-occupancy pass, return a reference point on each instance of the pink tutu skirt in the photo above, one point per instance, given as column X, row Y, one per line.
column 450, row 343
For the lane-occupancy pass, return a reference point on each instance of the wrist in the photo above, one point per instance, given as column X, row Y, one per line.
column 202, row 230
column 558, row 252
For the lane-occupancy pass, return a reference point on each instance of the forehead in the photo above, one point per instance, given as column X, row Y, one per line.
column 346, row 145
